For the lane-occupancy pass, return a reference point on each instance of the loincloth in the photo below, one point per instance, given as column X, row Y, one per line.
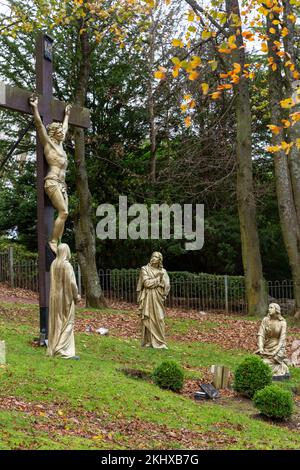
column 53, row 184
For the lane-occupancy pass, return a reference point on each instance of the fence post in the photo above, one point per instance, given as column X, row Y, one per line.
column 226, row 292
column 79, row 279
column 11, row 266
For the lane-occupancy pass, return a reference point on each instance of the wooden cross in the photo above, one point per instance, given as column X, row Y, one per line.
column 50, row 110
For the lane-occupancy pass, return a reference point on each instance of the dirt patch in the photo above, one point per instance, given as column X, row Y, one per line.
column 137, row 374
column 293, row 423
column 239, row 404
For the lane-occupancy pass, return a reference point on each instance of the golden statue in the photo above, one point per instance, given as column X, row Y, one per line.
column 153, row 288
column 55, row 185
column 271, row 341
column 63, row 296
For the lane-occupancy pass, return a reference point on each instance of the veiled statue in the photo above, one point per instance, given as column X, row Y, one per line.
column 272, row 339
column 63, row 296
column 152, row 289
column 55, row 186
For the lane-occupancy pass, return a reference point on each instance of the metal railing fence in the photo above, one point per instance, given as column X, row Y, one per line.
column 202, row 292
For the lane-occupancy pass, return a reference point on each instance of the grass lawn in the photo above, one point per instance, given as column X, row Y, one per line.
column 52, row 403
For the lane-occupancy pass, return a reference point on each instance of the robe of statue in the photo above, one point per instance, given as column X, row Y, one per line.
column 152, row 292
column 271, row 338
column 63, row 293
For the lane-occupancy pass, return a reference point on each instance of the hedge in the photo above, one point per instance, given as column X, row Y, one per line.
column 185, row 284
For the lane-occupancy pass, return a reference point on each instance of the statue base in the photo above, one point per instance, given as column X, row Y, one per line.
column 42, row 339
column 44, row 312
column 281, row 377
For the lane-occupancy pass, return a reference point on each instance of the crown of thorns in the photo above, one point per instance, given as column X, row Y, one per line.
column 53, row 127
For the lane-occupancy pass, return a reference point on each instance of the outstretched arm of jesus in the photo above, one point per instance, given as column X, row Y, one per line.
column 66, row 118
column 33, row 100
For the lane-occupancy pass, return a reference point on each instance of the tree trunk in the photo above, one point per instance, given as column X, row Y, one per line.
column 286, row 204
column 294, row 131
column 151, row 104
column 255, row 284
column 84, row 229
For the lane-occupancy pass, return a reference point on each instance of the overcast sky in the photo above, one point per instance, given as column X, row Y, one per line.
column 4, row 6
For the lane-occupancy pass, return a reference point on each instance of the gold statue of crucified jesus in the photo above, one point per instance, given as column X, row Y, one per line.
column 52, row 140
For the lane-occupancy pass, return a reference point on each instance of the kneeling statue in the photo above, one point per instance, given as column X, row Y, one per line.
column 271, row 341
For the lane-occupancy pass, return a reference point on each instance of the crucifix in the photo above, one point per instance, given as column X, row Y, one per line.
column 50, row 110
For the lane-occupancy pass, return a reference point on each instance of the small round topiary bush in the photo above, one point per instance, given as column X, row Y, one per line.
column 251, row 374
column 169, row 375
column 275, row 402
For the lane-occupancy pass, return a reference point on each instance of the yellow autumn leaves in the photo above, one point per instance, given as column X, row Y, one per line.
column 204, row 32
column 284, row 146
column 189, row 66
column 228, row 46
column 160, row 74
column 177, row 43
column 208, row 34
column 295, row 117
column 189, row 103
column 287, row 103
column 205, row 88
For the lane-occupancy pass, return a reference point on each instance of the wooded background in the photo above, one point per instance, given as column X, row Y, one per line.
column 158, row 135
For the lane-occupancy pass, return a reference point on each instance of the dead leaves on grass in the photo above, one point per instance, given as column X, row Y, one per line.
column 102, row 428
column 121, row 325
column 227, row 331
column 9, row 294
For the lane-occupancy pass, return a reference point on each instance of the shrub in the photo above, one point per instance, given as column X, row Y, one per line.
column 251, row 374
column 169, row 375
column 275, row 402
column 20, row 252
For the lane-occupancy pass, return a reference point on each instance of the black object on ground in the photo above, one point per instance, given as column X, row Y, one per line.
column 210, row 391
column 200, row 395
column 281, row 377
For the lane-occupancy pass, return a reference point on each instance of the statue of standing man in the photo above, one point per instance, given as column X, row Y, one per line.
column 55, row 184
